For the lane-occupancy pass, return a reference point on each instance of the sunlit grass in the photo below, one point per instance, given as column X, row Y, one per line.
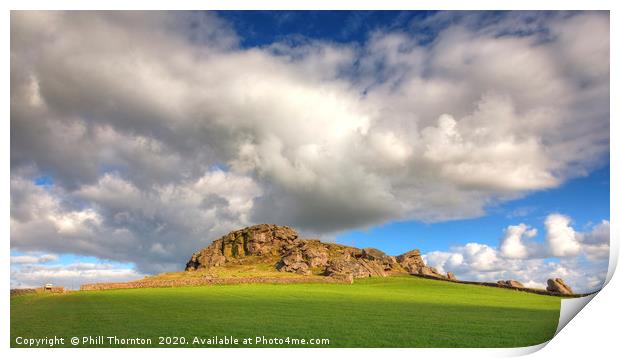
column 376, row 312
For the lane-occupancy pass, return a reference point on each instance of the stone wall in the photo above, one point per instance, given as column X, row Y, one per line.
column 38, row 290
column 55, row 289
column 209, row 281
column 22, row 291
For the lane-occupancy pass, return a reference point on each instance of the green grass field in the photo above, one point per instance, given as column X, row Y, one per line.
column 374, row 312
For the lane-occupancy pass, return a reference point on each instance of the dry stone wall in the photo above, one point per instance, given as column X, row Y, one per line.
column 207, row 281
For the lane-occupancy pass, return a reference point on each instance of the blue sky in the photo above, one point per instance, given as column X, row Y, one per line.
column 259, row 28
column 387, row 129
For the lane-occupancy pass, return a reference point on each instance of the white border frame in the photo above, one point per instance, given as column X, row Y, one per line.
column 591, row 332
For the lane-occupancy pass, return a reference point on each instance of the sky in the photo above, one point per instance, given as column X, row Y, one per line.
column 481, row 138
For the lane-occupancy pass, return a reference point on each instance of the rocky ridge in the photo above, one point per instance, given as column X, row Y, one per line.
column 282, row 245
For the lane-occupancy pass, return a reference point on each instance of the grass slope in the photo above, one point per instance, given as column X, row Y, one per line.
column 252, row 266
column 375, row 312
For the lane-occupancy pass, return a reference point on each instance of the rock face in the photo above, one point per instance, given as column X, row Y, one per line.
column 411, row 261
column 303, row 256
column 450, row 276
column 282, row 245
column 559, row 286
column 259, row 240
column 307, row 256
column 510, row 283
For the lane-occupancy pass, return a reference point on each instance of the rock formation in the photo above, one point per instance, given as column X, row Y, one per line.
column 282, row 246
column 411, row 261
column 510, row 283
column 260, row 240
column 559, row 286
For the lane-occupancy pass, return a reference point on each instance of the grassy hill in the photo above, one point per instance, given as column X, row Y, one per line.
column 251, row 266
column 374, row 312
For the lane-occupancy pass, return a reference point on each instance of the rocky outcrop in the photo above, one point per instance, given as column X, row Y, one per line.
column 293, row 261
column 370, row 253
column 451, row 276
column 281, row 245
column 303, row 256
column 306, row 256
column 510, row 283
column 559, row 286
column 386, row 262
column 411, row 261
column 259, row 240
column 357, row 268
column 344, row 266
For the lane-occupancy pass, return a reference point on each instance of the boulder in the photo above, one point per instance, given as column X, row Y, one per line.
column 411, row 261
column 386, row 262
column 210, row 256
column 510, row 283
column 347, row 265
column 304, row 255
column 557, row 285
column 429, row 271
column 315, row 253
column 389, row 264
column 293, row 261
column 374, row 268
column 450, row 276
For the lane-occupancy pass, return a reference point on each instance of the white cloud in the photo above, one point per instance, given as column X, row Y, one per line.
column 582, row 276
column 512, row 245
column 596, row 242
column 561, row 237
column 130, row 113
column 172, row 220
column 480, row 257
column 70, row 275
column 75, row 222
column 32, row 259
column 585, row 269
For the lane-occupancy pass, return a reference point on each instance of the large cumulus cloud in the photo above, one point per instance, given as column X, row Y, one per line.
column 160, row 132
